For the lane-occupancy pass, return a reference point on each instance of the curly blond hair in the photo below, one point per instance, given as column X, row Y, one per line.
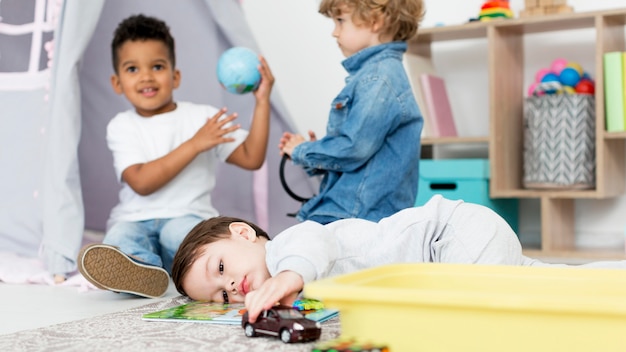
column 401, row 17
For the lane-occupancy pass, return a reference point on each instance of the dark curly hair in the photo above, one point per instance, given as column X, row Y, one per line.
column 141, row 28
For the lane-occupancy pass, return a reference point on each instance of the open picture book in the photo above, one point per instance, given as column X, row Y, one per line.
column 230, row 314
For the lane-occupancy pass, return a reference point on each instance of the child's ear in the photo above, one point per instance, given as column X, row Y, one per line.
column 115, row 83
column 242, row 230
column 176, row 78
column 378, row 23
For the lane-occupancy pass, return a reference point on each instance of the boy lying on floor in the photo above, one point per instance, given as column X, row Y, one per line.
column 230, row 260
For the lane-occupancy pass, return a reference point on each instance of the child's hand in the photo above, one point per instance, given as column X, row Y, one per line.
column 286, row 137
column 267, row 81
column 213, row 131
column 289, row 141
column 282, row 288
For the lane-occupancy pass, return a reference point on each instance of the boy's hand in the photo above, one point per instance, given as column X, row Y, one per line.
column 267, row 81
column 289, row 141
column 213, row 131
column 250, row 154
column 282, row 288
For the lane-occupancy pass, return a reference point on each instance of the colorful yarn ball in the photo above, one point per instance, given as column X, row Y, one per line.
column 569, row 77
column 550, row 77
column 576, row 66
column 585, row 86
column 558, row 65
column 541, row 73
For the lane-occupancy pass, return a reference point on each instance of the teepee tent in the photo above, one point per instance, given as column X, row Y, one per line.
column 56, row 100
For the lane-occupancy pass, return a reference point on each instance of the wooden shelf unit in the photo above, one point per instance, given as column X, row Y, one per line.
column 506, row 96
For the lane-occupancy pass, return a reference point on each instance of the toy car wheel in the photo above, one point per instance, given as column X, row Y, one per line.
column 249, row 330
column 285, row 336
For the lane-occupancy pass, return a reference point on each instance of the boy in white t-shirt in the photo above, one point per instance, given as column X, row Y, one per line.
column 165, row 154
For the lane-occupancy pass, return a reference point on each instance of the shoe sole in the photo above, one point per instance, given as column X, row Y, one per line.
column 108, row 268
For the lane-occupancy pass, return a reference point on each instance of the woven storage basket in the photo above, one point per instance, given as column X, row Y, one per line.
column 559, row 141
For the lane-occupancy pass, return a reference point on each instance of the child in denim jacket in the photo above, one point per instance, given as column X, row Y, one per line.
column 369, row 157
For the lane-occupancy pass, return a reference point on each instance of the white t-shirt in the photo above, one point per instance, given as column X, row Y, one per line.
column 134, row 139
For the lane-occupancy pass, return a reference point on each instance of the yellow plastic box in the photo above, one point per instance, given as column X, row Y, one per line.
column 451, row 307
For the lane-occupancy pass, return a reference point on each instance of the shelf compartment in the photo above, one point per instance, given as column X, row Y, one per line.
column 506, row 95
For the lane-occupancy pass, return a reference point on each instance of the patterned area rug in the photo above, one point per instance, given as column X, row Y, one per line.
column 126, row 331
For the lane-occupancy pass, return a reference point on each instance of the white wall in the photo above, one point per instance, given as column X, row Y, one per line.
column 296, row 40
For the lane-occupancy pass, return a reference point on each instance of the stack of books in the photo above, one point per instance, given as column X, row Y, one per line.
column 432, row 98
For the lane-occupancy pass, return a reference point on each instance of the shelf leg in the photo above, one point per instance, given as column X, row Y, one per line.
column 557, row 224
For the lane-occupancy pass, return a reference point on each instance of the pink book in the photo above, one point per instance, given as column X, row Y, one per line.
column 438, row 105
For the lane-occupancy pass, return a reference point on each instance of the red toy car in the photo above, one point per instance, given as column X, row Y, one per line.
column 284, row 322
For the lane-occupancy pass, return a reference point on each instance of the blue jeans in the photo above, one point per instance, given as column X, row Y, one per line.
column 152, row 242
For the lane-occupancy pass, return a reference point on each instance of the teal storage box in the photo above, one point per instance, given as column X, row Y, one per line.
column 466, row 179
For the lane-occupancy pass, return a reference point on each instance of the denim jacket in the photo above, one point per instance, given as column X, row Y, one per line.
column 370, row 155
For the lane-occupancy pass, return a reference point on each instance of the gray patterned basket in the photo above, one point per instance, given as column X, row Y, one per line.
column 559, row 141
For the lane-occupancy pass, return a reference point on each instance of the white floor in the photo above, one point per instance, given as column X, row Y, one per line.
column 25, row 307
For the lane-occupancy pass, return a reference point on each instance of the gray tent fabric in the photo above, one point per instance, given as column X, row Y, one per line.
column 63, row 220
column 68, row 160
column 40, row 119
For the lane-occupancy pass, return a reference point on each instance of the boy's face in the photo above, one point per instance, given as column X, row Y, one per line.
column 353, row 37
column 228, row 268
column 146, row 77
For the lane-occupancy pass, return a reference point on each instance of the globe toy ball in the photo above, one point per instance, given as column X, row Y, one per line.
column 585, row 86
column 237, row 70
column 541, row 73
column 558, row 65
column 569, row 77
column 576, row 67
